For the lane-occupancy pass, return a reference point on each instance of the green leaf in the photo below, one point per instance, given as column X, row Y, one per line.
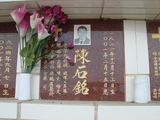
column 31, row 55
column 29, row 61
column 23, row 52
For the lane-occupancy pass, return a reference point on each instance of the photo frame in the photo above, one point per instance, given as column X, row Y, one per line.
column 82, row 34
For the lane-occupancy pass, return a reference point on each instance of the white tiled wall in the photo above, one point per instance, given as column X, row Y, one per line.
column 136, row 54
column 56, row 112
column 8, row 109
column 136, row 63
column 128, row 112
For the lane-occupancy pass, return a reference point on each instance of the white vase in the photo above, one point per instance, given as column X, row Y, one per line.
column 24, row 91
column 141, row 92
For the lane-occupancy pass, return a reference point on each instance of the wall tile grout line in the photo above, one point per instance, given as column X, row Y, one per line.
column 19, row 109
column 95, row 111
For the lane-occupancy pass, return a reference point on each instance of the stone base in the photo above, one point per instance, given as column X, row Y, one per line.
column 12, row 109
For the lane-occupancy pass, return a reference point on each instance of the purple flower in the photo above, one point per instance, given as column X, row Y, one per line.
column 24, row 25
column 68, row 58
column 34, row 19
column 51, row 23
column 47, row 28
column 42, row 32
column 63, row 19
column 53, row 28
column 60, row 14
column 70, row 46
column 19, row 13
column 47, row 10
column 48, row 18
column 54, row 35
column 57, row 10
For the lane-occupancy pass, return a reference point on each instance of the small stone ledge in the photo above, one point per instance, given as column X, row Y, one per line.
column 85, row 103
column 86, row 110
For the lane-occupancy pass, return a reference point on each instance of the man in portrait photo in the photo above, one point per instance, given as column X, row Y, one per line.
column 83, row 36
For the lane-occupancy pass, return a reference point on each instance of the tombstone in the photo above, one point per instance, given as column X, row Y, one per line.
column 98, row 73
column 8, row 63
column 153, row 34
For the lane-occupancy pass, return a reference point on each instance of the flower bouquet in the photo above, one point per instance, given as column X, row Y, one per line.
column 35, row 32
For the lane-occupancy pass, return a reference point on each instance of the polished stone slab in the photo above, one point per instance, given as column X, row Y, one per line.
column 98, row 73
column 153, row 32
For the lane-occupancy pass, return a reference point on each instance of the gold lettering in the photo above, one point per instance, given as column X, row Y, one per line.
column 112, row 67
column 5, row 92
column 45, row 87
column 9, row 42
column 105, row 55
column 80, row 74
column 8, row 65
column 154, row 53
column 81, row 88
column 104, row 33
column 65, row 73
column 112, row 91
column 105, row 73
column 51, row 89
column 112, row 85
column 158, row 93
column 8, row 47
column 1, row 47
column 112, row 79
column 112, row 73
column 105, row 92
column 7, row 58
column 111, row 38
column 105, row 84
column 8, row 52
column 65, row 77
column 105, row 44
column 81, row 54
column 1, row 42
column 5, row 85
column 58, row 86
column 45, row 76
column 105, row 38
column 6, row 77
column 157, row 35
column 64, row 86
column 7, row 69
column 64, row 90
column 51, row 73
column 155, row 94
column 51, row 78
column 105, row 80
column 105, row 67
column 1, row 59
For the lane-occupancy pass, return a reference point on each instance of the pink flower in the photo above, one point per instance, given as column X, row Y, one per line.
column 24, row 25
column 54, row 35
column 51, row 23
column 42, row 32
column 70, row 46
column 19, row 13
column 68, row 58
column 47, row 28
column 53, row 28
column 34, row 19
column 63, row 19
column 48, row 18
column 47, row 10
column 57, row 10
column 60, row 14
